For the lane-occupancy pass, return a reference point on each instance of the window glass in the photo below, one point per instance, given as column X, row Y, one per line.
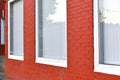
column 16, row 28
column 52, row 29
column 109, row 34
column 2, row 31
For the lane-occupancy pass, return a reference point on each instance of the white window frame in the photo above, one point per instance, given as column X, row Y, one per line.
column 102, row 68
column 49, row 61
column 21, row 58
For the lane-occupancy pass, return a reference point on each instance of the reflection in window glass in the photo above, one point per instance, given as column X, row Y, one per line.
column 52, row 29
column 109, row 30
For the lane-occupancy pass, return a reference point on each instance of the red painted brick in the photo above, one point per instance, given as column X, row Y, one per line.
column 80, row 47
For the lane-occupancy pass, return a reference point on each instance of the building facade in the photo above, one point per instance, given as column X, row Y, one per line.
column 2, row 46
column 30, row 55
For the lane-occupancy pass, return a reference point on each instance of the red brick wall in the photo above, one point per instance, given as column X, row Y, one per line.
column 80, row 47
column 2, row 50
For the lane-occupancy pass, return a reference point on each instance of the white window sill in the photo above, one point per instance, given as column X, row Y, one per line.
column 108, row 69
column 54, row 62
column 21, row 58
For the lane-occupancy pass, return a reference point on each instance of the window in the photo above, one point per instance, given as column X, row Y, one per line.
column 51, row 32
column 2, row 29
column 15, row 29
column 107, row 36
